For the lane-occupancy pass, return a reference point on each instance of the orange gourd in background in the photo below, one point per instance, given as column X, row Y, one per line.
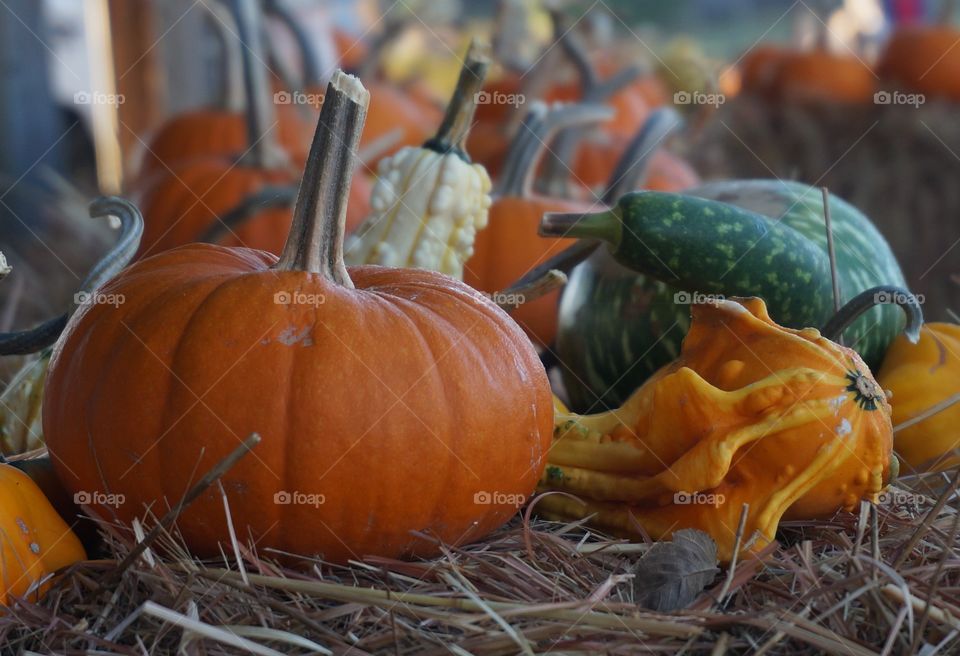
column 920, row 376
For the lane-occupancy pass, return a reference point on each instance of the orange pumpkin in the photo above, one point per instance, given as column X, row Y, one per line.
column 181, row 206
column 819, row 76
column 924, row 59
column 36, row 542
column 367, row 375
column 215, row 133
column 760, row 67
column 509, row 247
column 222, row 131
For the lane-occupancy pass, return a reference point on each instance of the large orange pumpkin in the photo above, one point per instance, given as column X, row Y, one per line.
column 388, row 400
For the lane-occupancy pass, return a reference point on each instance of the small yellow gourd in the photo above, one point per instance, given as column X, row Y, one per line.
column 750, row 413
column 34, row 540
column 920, row 376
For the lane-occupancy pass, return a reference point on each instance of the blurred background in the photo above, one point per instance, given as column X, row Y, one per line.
column 857, row 95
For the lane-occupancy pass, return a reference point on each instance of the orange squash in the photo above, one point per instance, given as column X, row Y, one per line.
column 367, row 375
column 920, row 376
column 750, row 413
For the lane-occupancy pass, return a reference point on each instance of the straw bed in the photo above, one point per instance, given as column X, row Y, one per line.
column 883, row 581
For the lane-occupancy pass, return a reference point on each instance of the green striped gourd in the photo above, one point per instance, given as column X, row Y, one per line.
column 763, row 238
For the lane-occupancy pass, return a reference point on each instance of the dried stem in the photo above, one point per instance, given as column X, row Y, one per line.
column 192, row 494
column 519, row 294
column 267, row 198
column 632, row 169
column 530, row 142
column 131, row 229
column 880, row 295
column 315, row 243
column 263, row 150
column 458, row 118
column 308, row 54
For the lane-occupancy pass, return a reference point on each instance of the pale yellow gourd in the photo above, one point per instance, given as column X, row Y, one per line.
column 429, row 202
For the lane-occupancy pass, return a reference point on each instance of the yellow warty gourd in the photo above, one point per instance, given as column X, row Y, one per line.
column 783, row 420
column 427, row 209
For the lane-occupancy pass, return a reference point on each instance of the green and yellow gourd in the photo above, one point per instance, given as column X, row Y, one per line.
column 429, row 202
column 625, row 310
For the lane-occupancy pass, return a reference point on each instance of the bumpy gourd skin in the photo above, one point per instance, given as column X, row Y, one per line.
column 427, row 208
column 618, row 326
column 783, row 420
column 920, row 376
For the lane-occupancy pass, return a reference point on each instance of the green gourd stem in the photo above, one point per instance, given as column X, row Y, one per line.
column 131, row 230
column 458, row 118
column 529, row 144
column 308, row 54
column 315, row 242
column 224, row 27
column 632, row 169
column 267, row 198
column 263, row 151
column 697, row 244
column 880, row 295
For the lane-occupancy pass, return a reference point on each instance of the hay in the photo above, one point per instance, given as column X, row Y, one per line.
column 884, row 581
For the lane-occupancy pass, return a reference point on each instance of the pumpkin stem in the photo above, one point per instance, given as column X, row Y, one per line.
column 458, row 118
column 263, row 151
column 558, row 167
column 223, row 24
column 521, row 293
column 530, row 142
column 883, row 294
column 308, row 54
column 632, row 169
column 4, row 267
column 267, row 198
column 315, row 243
column 131, row 229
